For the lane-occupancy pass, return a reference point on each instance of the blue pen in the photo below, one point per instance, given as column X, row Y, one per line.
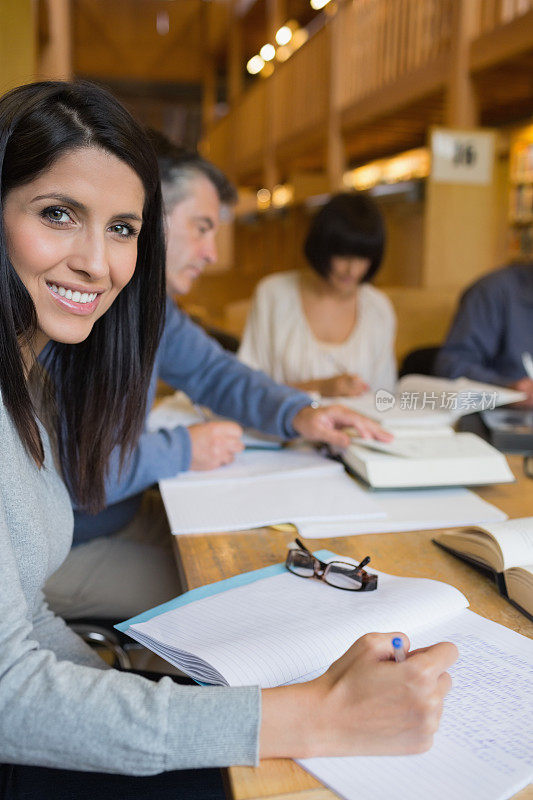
column 398, row 649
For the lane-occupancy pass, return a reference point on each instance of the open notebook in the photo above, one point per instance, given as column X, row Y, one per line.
column 270, row 627
column 265, row 488
column 412, row 510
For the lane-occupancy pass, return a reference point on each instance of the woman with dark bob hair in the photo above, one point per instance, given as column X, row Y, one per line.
column 326, row 329
column 81, row 271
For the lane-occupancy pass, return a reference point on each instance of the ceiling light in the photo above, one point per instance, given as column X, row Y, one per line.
column 255, row 65
column 267, row 52
column 284, row 35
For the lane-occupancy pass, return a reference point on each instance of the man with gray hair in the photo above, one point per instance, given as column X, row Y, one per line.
column 121, row 562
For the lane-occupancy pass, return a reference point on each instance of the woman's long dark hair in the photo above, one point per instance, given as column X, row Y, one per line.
column 101, row 383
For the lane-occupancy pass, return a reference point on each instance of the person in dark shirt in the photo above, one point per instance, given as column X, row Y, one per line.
column 492, row 329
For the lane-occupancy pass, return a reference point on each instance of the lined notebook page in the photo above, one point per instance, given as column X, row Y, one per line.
column 281, row 628
column 484, row 747
column 411, row 510
column 236, row 504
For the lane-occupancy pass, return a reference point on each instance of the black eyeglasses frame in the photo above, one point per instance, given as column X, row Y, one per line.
column 368, row 581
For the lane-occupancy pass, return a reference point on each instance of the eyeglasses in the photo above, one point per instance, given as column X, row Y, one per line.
column 340, row 574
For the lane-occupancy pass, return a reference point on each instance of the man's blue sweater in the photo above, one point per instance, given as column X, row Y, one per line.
column 191, row 361
column 492, row 328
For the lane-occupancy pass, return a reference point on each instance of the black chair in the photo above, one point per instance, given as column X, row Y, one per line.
column 100, row 634
column 419, row 362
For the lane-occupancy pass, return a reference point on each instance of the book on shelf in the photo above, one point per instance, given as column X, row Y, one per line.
column 423, row 459
column 504, row 549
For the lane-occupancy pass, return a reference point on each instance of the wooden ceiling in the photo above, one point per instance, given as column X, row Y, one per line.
column 142, row 40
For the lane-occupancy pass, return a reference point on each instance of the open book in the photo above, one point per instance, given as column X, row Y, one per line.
column 505, row 549
column 270, row 627
column 457, row 459
column 426, row 401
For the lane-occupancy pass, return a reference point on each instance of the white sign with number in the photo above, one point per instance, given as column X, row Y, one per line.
column 462, row 156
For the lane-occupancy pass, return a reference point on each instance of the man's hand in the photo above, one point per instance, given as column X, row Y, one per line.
column 327, row 425
column 365, row 704
column 524, row 385
column 214, row 444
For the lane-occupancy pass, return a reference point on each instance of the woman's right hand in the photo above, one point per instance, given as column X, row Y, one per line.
column 344, row 385
column 365, row 704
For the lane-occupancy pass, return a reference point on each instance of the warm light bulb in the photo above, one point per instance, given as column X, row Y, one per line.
column 267, row 52
column 255, row 65
column 284, row 35
column 263, row 198
column 318, row 4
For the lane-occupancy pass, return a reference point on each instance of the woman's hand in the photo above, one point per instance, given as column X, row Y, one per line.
column 344, row 385
column 329, row 423
column 365, row 704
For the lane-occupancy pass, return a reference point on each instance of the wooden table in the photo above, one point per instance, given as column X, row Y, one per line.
column 204, row 559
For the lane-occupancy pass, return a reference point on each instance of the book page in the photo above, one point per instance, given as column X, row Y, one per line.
column 278, row 629
column 210, row 506
column 423, row 400
column 515, row 537
column 428, row 448
column 484, row 747
column 519, row 585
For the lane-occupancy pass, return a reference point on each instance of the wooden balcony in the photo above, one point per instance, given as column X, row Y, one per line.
column 300, row 98
column 249, row 131
column 501, row 59
column 382, row 69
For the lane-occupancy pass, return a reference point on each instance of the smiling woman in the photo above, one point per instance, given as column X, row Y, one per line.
column 72, row 241
column 81, row 208
column 81, row 268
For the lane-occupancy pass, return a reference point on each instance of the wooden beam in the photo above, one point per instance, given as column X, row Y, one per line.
column 55, row 58
column 462, row 108
column 502, row 44
column 235, row 57
column 336, row 156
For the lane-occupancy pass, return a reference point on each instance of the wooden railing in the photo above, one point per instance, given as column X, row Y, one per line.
column 249, row 124
column 381, row 41
column 493, row 14
column 301, row 87
column 369, row 47
column 218, row 146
